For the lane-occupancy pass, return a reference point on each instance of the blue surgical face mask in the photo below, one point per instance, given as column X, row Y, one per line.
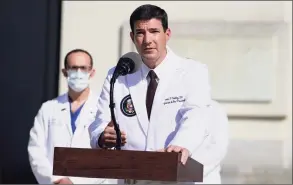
column 78, row 80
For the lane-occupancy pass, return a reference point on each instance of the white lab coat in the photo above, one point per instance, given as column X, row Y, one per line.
column 52, row 128
column 179, row 116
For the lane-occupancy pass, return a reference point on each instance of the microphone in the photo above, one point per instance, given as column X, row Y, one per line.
column 127, row 64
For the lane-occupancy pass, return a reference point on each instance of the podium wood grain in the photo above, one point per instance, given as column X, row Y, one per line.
column 125, row 164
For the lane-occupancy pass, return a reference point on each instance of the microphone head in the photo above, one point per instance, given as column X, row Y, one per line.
column 129, row 63
column 125, row 66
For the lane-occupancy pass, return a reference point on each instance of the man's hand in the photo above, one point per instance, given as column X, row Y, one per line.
column 63, row 181
column 178, row 149
column 108, row 138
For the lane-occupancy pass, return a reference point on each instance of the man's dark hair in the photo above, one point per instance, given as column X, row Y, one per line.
column 147, row 12
column 77, row 51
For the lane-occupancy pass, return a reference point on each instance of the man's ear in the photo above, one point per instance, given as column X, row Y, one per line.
column 93, row 72
column 131, row 36
column 168, row 34
column 64, row 73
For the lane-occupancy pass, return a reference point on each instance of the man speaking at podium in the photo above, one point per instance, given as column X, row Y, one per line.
column 163, row 105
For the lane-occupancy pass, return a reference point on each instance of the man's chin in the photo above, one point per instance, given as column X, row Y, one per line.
column 150, row 57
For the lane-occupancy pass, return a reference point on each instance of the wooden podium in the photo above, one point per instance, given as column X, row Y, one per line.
column 125, row 164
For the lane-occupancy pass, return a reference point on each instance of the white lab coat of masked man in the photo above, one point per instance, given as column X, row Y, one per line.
column 52, row 128
column 180, row 112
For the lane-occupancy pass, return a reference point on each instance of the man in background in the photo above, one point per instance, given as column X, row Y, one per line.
column 64, row 121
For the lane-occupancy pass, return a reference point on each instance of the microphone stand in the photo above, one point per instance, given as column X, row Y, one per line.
column 123, row 67
column 112, row 106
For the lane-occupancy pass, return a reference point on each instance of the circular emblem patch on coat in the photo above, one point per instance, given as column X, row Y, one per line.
column 127, row 107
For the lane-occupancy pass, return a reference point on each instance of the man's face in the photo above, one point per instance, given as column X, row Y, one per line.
column 79, row 60
column 150, row 39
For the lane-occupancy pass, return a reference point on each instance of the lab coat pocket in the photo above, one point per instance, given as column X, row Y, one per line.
column 56, row 126
column 57, row 133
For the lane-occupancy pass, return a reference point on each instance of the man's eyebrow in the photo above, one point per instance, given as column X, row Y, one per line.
column 139, row 29
column 152, row 29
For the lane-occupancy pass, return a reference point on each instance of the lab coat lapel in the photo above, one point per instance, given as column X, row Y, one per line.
column 170, row 74
column 87, row 113
column 65, row 112
column 135, row 85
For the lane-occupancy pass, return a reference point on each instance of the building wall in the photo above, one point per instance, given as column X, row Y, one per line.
column 257, row 143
